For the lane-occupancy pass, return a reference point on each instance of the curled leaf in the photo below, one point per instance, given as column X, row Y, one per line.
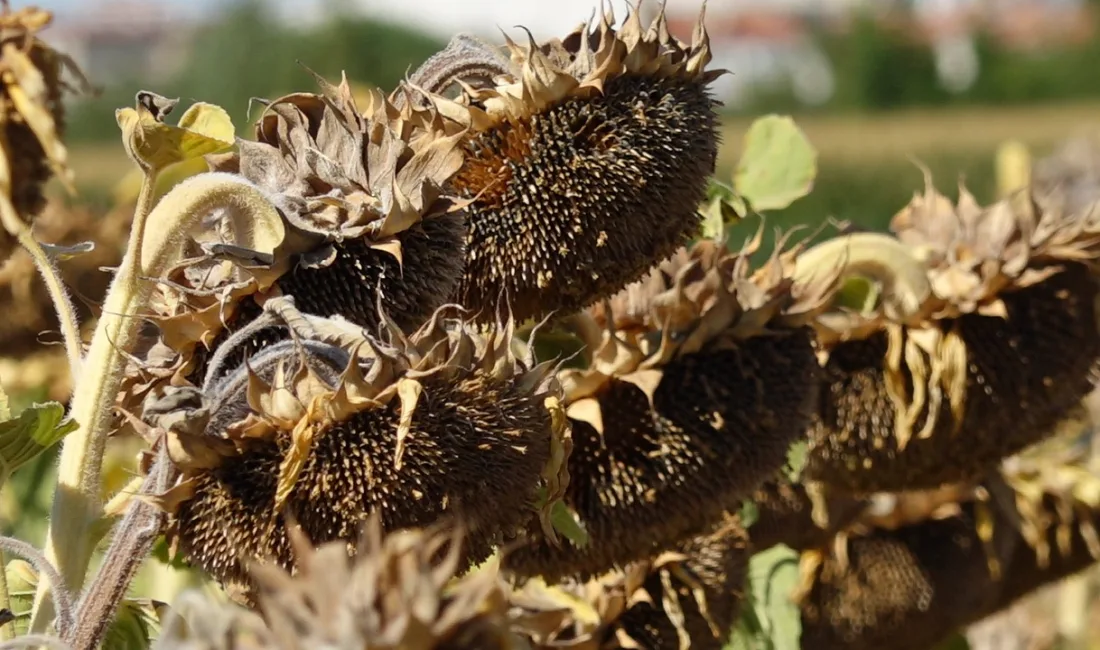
column 203, row 129
column 38, row 427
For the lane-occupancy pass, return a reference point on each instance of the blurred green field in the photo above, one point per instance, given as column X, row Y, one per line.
column 866, row 161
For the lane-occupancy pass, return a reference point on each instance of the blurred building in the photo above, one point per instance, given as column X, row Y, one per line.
column 114, row 40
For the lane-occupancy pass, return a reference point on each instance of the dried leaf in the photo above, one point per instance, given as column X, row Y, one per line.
column 153, row 145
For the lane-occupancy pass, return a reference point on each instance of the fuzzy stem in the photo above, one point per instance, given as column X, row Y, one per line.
column 46, row 574
column 63, row 306
column 34, row 641
column 130, row 546
column 153, row 249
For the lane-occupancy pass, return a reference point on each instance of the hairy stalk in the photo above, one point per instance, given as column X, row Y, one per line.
column 153, row 249
column 34, row 641
column 62, row 601
column 466, row 58
column 63, row 305
column 130, row 546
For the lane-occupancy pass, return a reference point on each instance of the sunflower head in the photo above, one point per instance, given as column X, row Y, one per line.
column 331, row 425
column 586, row 160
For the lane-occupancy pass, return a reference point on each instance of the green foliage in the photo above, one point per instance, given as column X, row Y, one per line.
column 777, row 166
column 878, row 68
column 770, row 620
column 24, row 437
column 244, row 53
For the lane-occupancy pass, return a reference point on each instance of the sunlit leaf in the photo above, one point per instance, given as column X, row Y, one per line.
column 722, row 207
column 38, row 427
column 778, row 164
column 153, row 145
column 775, row 621
column 748, row 513
column 796, row 459
column 566, row 523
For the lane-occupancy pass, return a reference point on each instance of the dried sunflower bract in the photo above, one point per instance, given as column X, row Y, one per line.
column 366, row 223
column 400, row 591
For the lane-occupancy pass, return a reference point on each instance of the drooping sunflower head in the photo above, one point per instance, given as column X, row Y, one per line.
column 360, row 194
column 31, row 108
column 331, row 426
column 587, row 159
column 989, row 341
column 694, row 388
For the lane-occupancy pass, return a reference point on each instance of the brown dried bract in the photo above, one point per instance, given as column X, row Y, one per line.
column 402, row 590
column 1003, row 345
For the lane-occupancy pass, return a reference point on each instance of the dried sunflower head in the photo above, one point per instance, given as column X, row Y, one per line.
column 587, row 159
column 995, row 342
column 31, row 87
column 698, row 381
column 691, row 594
column 334, row 426
column 366, row 223
column 911, row 586
column 401, row 590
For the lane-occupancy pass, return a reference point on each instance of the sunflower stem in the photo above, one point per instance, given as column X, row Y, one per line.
column 63, row 306
column 130, row 547
column 157, row 243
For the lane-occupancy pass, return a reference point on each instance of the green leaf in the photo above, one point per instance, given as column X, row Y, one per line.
column 566, row 523
column 796, row 459
column 749, row 513
column 38, row 427
column 135, row 625
column 778, row 164
column 775, row 621
column 160, row 553
column 722, row 207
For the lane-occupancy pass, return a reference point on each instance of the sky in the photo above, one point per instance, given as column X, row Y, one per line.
column 543, row 17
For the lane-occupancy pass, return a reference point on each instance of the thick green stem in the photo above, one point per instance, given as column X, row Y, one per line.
column 156, row 245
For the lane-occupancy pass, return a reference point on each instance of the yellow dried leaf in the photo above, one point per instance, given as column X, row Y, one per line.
column 154, row 145
column 408, row 391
